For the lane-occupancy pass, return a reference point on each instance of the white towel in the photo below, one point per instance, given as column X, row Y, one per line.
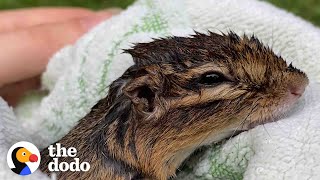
column 78, row 76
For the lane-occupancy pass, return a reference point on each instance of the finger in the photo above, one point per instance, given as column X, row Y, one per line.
column 24, row 53
column 22, row 18
column 13, row 92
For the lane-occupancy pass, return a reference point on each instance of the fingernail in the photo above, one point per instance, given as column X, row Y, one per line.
column 90, row 22
column 113, row 11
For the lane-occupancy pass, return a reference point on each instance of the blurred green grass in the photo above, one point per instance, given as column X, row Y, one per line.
column 308, row 9
column 93, row 4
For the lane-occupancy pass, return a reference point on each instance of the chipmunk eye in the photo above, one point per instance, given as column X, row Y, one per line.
column 212, row 78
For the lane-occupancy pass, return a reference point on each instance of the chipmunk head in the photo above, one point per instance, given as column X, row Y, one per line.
column 184, row 92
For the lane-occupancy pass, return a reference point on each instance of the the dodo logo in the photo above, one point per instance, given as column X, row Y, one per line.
column 23, row 158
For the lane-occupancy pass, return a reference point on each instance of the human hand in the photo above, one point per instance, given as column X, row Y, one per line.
column 29, row 37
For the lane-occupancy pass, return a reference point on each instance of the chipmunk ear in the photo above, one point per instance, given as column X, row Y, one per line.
column 141, row 93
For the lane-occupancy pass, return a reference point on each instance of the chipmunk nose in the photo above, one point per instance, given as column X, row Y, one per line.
column 297, row 90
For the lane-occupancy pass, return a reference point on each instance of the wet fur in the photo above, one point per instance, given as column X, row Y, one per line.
column 157, row 112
